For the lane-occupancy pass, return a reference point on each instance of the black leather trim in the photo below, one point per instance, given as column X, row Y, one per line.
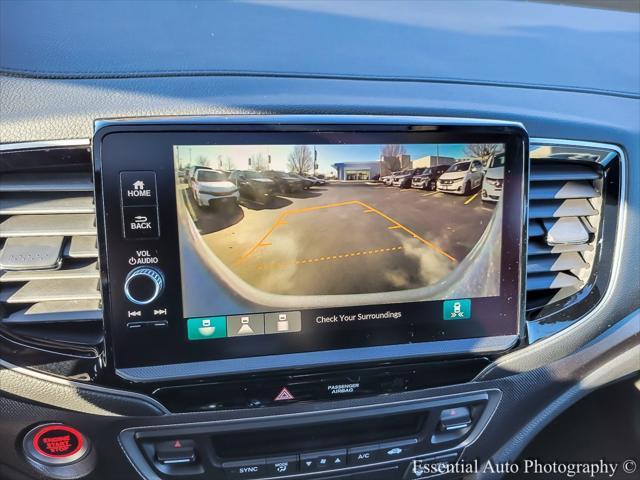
column 23, row 384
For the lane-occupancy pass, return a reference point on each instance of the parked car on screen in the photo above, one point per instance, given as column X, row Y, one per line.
column 403, row 180
column 285, row 182
column 493, row 179
column 307, row 183
column 191, row 171
column 253, row 185
column 461, row 178
column 388, row 179
column 317, row 181
column 428, row 179
column 208, row 185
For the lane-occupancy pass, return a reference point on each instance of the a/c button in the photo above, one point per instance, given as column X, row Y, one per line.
column 362, row 455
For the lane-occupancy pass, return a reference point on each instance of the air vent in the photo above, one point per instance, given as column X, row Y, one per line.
column 49, row 276
column 566, row 202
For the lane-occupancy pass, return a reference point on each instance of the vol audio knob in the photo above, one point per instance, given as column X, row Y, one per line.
column 143, row 285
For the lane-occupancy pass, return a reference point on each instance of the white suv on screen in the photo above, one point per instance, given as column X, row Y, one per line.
column 209, row 185
column 493, row 179
column 461, row 178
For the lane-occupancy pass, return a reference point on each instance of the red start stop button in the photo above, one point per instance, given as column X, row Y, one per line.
column 55, row 444
column 58, row 441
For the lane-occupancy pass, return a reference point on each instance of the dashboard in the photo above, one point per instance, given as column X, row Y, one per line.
column 307, row 262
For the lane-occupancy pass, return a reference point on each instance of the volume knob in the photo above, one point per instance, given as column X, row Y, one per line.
column 143, row 285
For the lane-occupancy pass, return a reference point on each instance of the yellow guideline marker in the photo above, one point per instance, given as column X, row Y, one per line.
column 471, row 199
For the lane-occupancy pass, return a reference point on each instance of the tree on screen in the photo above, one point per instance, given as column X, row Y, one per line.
column 483, row 151
column 258, row 162
column 391, row 150
column 391, row 155
column 226, row 163
column 300, row 160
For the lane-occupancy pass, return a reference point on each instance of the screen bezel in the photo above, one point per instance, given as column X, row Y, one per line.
column 183, row 362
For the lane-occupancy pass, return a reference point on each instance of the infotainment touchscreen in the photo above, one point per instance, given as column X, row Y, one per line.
column 322, row 245
column 287, row 227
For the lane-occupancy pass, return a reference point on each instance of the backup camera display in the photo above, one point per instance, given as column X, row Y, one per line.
column 277, row 229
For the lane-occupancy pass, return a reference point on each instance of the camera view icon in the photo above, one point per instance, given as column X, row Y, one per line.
column 283, row 322
column 456, row 309
column 206, row 328
column 245, row 325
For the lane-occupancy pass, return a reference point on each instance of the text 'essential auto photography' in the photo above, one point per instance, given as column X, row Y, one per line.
column 343, row 220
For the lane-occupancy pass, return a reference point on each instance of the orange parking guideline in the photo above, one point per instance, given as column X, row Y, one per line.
column 471, row 199
column 330, row 257
column 410, row 232
column 368, row 208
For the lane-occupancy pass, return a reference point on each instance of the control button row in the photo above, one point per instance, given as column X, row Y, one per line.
column 320, row 461
column 204, row 328
column 138, row 191
column 312, row 462
column 262, row 467
column 382, row 452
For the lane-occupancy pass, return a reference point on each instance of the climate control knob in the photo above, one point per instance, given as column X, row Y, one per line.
column 143, row 285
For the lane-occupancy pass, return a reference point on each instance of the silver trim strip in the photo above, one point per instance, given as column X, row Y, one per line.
column 306, row 119
column 43, row 144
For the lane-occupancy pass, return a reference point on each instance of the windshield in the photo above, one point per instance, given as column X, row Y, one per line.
column 497, row 161
column 210, row 176
column 459, row 167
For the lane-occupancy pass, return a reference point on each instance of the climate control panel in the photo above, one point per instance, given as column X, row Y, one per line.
column 396, row 441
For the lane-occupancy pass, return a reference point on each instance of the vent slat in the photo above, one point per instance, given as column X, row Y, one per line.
column 32, row 253
column 539, row 247
column 43, row 225
column 555, row 263
column 82, row 247
column 561, row 190
column 46, row 182
column 561, row 208
column 57, row 312
column 566, row 230
column 46, row 203
column 45, row 290
column 66, row 272
column 557, row 171
column 551, row 280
